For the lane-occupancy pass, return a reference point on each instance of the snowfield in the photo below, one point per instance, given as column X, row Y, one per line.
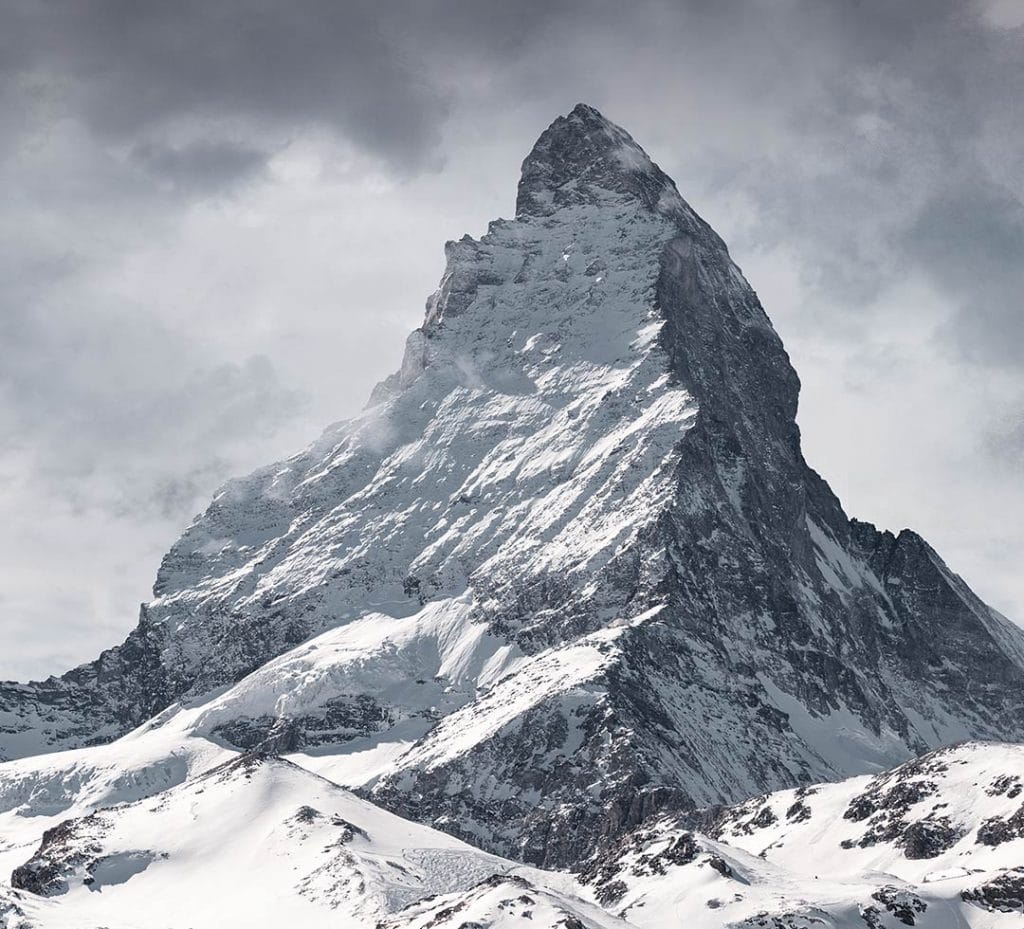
column 257, row 841
column 251, row 840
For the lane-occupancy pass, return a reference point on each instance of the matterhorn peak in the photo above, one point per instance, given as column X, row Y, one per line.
column 568, row 570
column 585, row 152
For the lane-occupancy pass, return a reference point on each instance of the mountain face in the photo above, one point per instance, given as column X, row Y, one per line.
column 569, row 568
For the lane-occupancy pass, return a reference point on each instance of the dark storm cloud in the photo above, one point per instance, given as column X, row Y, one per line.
column 129, row 69
column 971, row 238
column 201, row 166
column 885, row 138
column 902, row 153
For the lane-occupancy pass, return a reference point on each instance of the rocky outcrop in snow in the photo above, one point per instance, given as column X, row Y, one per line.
column 847, row 854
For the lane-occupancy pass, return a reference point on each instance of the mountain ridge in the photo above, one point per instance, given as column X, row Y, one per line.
column 569, row 569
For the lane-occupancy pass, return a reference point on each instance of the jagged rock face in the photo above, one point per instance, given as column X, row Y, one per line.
column 608, row 582
column 1003, row 894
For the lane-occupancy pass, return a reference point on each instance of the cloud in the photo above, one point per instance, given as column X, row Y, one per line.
column 129, row 70
column 112, row 410
column 971, row 238
column 202, row 166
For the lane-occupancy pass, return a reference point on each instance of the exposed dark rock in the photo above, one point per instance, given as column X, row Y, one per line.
column 12, row 914
column 809, row 918
column 1008, row 785
column 610, row 893
column 1004, row 893
column 903, row 904
column 996, row 831
column 720, row 865
column 644, row 852
column 66, row 847
column 890, row 809
column 929, row 838
column 872, row 916
column 348, row 830
column 307, row 814
column 799, row 812
column 896, row 801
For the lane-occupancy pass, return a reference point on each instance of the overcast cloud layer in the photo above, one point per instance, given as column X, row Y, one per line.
column 221, row 219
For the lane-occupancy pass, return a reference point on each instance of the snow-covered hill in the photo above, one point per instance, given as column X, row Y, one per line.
column 254, row 840
column 567, row 572
column 163, row 828
column 938, row 841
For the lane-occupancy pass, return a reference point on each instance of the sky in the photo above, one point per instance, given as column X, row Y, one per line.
column 221, row 220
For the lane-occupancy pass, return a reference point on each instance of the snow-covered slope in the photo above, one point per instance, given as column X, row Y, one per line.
column 41, row 792
column 253, row 840
column 505, row 901
column 569, row 567
column 937, row 842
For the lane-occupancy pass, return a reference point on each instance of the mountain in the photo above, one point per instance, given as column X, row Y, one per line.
column 568, row 570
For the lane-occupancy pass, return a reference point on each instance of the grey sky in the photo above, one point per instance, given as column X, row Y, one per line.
column 221, row 220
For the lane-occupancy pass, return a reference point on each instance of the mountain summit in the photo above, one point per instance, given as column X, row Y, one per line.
column 569, row 569
column 584, row 151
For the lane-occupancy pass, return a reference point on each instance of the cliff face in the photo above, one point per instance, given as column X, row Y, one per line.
column 569, row 567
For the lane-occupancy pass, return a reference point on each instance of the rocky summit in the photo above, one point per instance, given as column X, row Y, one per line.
column 567, row 574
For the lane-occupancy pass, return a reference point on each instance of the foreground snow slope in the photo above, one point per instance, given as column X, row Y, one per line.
column 252, row 842
column 41, row 792
column 257, row 841
column 569, row 568
column 938, row 841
